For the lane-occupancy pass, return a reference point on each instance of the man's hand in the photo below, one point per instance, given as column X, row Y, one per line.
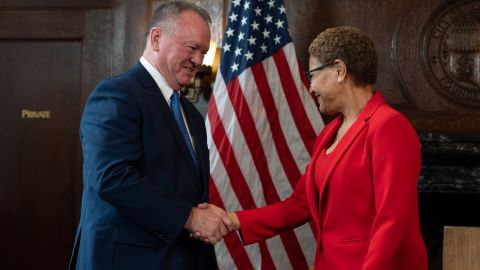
column 230, row 221
column 210, row 222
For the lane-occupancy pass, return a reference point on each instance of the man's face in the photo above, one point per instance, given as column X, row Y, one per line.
column 181, row 50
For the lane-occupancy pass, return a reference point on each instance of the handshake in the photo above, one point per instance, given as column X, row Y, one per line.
column 210, row 223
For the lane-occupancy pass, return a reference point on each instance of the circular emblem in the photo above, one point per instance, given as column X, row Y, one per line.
column 451, row 51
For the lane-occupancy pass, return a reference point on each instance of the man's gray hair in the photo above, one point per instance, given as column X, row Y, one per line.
column 168, row 12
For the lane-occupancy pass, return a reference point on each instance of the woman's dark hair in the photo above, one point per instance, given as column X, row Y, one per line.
column 350, row 45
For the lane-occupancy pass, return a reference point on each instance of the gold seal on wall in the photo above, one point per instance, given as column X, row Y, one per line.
column 451, row 51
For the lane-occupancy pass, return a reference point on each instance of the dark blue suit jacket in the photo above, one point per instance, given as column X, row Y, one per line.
column 140, row 182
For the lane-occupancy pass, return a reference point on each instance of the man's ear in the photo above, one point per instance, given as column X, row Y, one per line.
column 154, row 37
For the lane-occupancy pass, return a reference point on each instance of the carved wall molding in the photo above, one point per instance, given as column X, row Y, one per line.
column 450, row 52
column 69, row 4
column 436, row 60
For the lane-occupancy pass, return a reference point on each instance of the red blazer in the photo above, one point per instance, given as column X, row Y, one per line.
column 365, row 207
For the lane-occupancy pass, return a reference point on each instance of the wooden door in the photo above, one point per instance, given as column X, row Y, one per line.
column 52, row 54
column 39, row 140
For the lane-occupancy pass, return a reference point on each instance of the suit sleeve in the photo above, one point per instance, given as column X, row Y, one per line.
column 262, row 223
column 396, row 163
column 111, row 133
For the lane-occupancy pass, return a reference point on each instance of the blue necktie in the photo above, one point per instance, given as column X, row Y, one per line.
column 177, row 113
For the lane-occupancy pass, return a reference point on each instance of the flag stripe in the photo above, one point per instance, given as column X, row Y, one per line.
column 307, row 133
column 225, row 152
column 289, row 237
column 307, row 240
column 259, row 113
column 222, row 183
column 254, row 103
column 309, row 103
column 276, row 247
column 238, row 142
column 236, row 177
column 292, row 135
column 253, row 142
column 286, row 158
column 306, row 233
column 232, row 241
column 252, row 139
column 262, row 124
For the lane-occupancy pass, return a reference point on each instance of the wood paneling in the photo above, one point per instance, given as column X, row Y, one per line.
column 70, row 4
column 398, row 30
column 377, row 18
column 52, row 54
column 461, row 248
column 38, row 151
column 43, row 24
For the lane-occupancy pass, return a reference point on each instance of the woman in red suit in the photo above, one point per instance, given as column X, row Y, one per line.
column 360, row 187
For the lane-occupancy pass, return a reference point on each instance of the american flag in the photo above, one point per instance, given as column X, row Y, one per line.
column 262, row 124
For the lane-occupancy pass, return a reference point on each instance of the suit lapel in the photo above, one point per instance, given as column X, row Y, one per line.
column 372, row 105
column 339, row 151
column 312, row 194
column 149, row 83
column 196, row 132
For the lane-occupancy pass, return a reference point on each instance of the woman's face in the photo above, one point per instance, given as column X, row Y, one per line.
column 324, row 86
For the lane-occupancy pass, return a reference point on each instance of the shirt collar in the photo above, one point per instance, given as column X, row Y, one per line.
column 166, row 90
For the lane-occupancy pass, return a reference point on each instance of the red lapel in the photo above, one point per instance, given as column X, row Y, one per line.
column 311, row 187
column 324, row 138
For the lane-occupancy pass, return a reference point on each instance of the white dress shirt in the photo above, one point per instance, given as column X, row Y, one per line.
column 166, row 90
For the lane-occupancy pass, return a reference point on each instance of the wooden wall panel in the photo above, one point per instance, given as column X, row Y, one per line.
column 42, row 86
column 70, row 4
column 377, row 18
column 461, row 248
column 399, row 30
column 41, row 24
column 52, row 54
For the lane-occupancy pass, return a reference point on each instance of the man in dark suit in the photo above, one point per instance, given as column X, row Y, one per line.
column 146, row 163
